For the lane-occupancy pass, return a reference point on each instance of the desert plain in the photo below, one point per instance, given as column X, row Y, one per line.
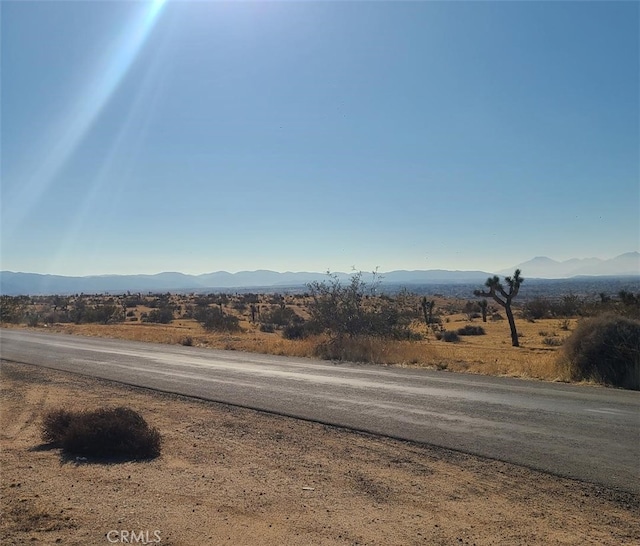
column 237, row 476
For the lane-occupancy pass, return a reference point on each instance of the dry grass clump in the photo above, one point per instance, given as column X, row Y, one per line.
column 374, row 350
column 273, row 344
column 106, row 432
column 501, row 360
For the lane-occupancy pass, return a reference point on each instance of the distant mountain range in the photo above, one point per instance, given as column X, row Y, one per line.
column 35, row 284
column 544, row 268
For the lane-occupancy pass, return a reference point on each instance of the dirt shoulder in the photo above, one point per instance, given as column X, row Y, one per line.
column 235, row 476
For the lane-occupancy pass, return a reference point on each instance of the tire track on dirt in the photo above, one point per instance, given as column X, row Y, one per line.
column 17, row 418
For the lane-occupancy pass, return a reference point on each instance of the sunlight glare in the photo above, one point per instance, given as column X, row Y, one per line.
column 83, row 111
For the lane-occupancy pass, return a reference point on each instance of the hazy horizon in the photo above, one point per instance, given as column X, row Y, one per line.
column 325, row 270
column 144, row 137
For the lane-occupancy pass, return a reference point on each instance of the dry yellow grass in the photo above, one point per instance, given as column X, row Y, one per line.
column 490, row 354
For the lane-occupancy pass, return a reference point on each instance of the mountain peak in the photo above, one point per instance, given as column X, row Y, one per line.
column 546, row 268
column 628, row 255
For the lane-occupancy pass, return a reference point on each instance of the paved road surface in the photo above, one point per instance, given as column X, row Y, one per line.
column 589, row 433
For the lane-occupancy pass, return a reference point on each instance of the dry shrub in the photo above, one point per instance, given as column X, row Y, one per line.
column 374, row 350
column 106, row 432
column 355, row 349
column 470, row 330
column 605, row 349
column 55, row 425
column 448, row 335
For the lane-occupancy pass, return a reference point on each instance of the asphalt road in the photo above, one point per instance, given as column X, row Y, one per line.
column 588, row 433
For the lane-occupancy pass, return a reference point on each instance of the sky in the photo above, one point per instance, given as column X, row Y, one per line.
column 140, row 137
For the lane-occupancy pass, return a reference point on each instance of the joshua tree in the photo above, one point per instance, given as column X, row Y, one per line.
column 427, row 309
column 504, row 298
column 483, row 307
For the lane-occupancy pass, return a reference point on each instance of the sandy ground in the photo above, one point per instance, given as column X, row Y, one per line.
column 234, row 476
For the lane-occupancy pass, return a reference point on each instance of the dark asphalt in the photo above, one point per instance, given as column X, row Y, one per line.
column 588, row 433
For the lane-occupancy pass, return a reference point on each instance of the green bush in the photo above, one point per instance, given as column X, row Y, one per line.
column 346, row 310
column 162, row 315
column 280, row 317
column 294, row 331
column 301, row 330
column 605, row 349
column 107, row 432
column 214, row 319
column 537, row 308
column 32, row 319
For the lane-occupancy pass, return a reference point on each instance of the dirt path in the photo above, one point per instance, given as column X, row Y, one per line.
column 235, row 476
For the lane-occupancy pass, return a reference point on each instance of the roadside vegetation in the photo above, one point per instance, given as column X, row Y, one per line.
column 605, row 349
column 358, row 321
column 103, row 433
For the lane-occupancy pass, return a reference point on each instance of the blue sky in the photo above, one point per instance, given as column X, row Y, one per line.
column 205, row 136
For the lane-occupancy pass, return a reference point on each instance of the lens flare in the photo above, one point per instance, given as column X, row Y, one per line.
column 83, row 112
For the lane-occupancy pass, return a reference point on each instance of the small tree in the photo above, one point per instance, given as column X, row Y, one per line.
column 504, row 298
